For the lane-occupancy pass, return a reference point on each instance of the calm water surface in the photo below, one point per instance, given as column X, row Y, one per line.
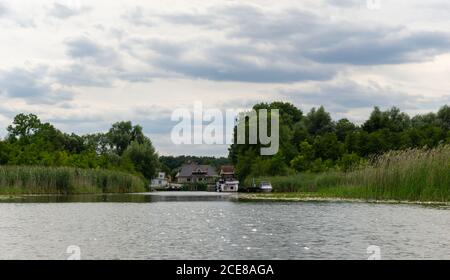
column 212, row 226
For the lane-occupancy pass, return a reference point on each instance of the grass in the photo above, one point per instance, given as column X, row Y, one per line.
column 66, row 180
column 412, row 175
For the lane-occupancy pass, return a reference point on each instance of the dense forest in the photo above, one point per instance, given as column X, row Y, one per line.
column 30, row 142
column 316, row 143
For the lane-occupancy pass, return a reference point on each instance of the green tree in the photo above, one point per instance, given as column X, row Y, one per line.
column 23, row 126
column 327, row 146
column 4, row 152
column 443, row 117
column 376, row 121
column 318, row 121
column 343, row 128
column 303, row 160
column 144, row 158
column 122, row 134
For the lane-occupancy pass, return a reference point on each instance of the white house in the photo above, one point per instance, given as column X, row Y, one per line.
column 160, row 181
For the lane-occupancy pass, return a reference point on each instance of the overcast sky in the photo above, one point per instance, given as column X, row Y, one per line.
column 83, row 65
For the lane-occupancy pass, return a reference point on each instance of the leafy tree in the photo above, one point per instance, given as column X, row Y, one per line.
column 4, row 152
column 303, row 160
column 343, row 128
column 319, row 121
column 122, row 134
column 421, row 121
column 23, row 126
column 376, row 121
column 443, row 117
column 32, row 142
column 328, row 147
column 144, row 158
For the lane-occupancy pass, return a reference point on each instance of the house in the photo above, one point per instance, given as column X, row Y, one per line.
column 197, row 173
column 160, row 181
column 227, row 172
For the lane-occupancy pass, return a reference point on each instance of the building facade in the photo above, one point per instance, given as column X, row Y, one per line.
column 196, row 173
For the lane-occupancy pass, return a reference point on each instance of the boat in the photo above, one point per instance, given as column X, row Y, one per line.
column 265, row 187
column 230, row 185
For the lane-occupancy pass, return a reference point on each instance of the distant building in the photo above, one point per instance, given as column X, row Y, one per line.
column 160, row 181
column 196, row 173
column 226, row 172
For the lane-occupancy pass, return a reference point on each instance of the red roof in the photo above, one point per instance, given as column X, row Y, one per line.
column 227, row 169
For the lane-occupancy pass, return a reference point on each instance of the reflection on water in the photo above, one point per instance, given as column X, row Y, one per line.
column 217, row 226
column 129, row 198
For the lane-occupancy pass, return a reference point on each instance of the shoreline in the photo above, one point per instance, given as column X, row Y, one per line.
column 309, row 197
column 266, row 197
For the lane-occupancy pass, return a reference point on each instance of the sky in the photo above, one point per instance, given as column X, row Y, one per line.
column 83, row 65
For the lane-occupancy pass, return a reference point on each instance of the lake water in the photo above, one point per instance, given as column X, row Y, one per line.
column 213, row 226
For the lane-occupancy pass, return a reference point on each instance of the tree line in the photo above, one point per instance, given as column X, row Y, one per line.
column 316, row 143
column 123, row 148
column 312, row 142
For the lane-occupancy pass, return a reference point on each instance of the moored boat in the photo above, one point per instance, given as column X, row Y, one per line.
column 230, row 185
column 265, row 187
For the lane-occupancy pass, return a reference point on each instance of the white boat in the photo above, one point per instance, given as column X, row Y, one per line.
column 227, row 186
column 265, row 187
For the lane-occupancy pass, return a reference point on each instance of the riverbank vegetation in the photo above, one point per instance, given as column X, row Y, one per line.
column 413, row 175
column 389, row 156
column 35, row 157
column 66, row 180
column 314, row 143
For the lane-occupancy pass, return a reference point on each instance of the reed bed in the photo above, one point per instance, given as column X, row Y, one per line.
column 66, row 180
column 415, row 175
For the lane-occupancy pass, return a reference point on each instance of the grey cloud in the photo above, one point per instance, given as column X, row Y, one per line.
column 63, row 12
column 137, row 17
column 154, row 120
column 7, row 112
column 222, row 62
column 242, row 71
column 346, row 3
column 193, row 19
column 10, row 16
column 78, row 74
column 344, row 96
column 383, row 49
column 97, row 65
column 29, row 86
column 327, row 42
column 282, row 47
column 255, row 24
column 3, row 10
column 83, row 48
